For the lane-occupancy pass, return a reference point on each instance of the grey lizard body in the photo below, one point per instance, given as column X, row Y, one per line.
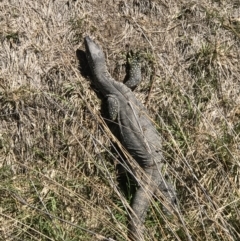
column 137, row 133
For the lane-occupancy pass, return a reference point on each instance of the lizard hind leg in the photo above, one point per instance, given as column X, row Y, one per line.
column 113, row 107
column 168, row 191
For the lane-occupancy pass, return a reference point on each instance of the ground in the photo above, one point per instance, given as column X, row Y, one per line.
column 58, row 178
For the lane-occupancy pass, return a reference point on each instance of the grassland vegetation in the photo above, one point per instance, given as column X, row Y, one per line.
column 58, row 175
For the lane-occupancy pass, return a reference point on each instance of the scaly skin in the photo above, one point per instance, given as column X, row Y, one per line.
column 137, row 134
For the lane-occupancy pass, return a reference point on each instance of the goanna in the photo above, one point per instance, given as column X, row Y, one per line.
column 137, row 134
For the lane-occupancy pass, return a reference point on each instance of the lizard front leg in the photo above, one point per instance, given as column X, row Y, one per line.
column 113, row 107
column 134, row 77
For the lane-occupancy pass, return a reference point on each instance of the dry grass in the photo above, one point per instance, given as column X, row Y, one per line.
column 57, row 174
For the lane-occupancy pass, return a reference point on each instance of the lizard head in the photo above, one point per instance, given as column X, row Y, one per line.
column 94, row 53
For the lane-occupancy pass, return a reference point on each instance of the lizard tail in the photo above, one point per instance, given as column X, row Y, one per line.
column 142, row 199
